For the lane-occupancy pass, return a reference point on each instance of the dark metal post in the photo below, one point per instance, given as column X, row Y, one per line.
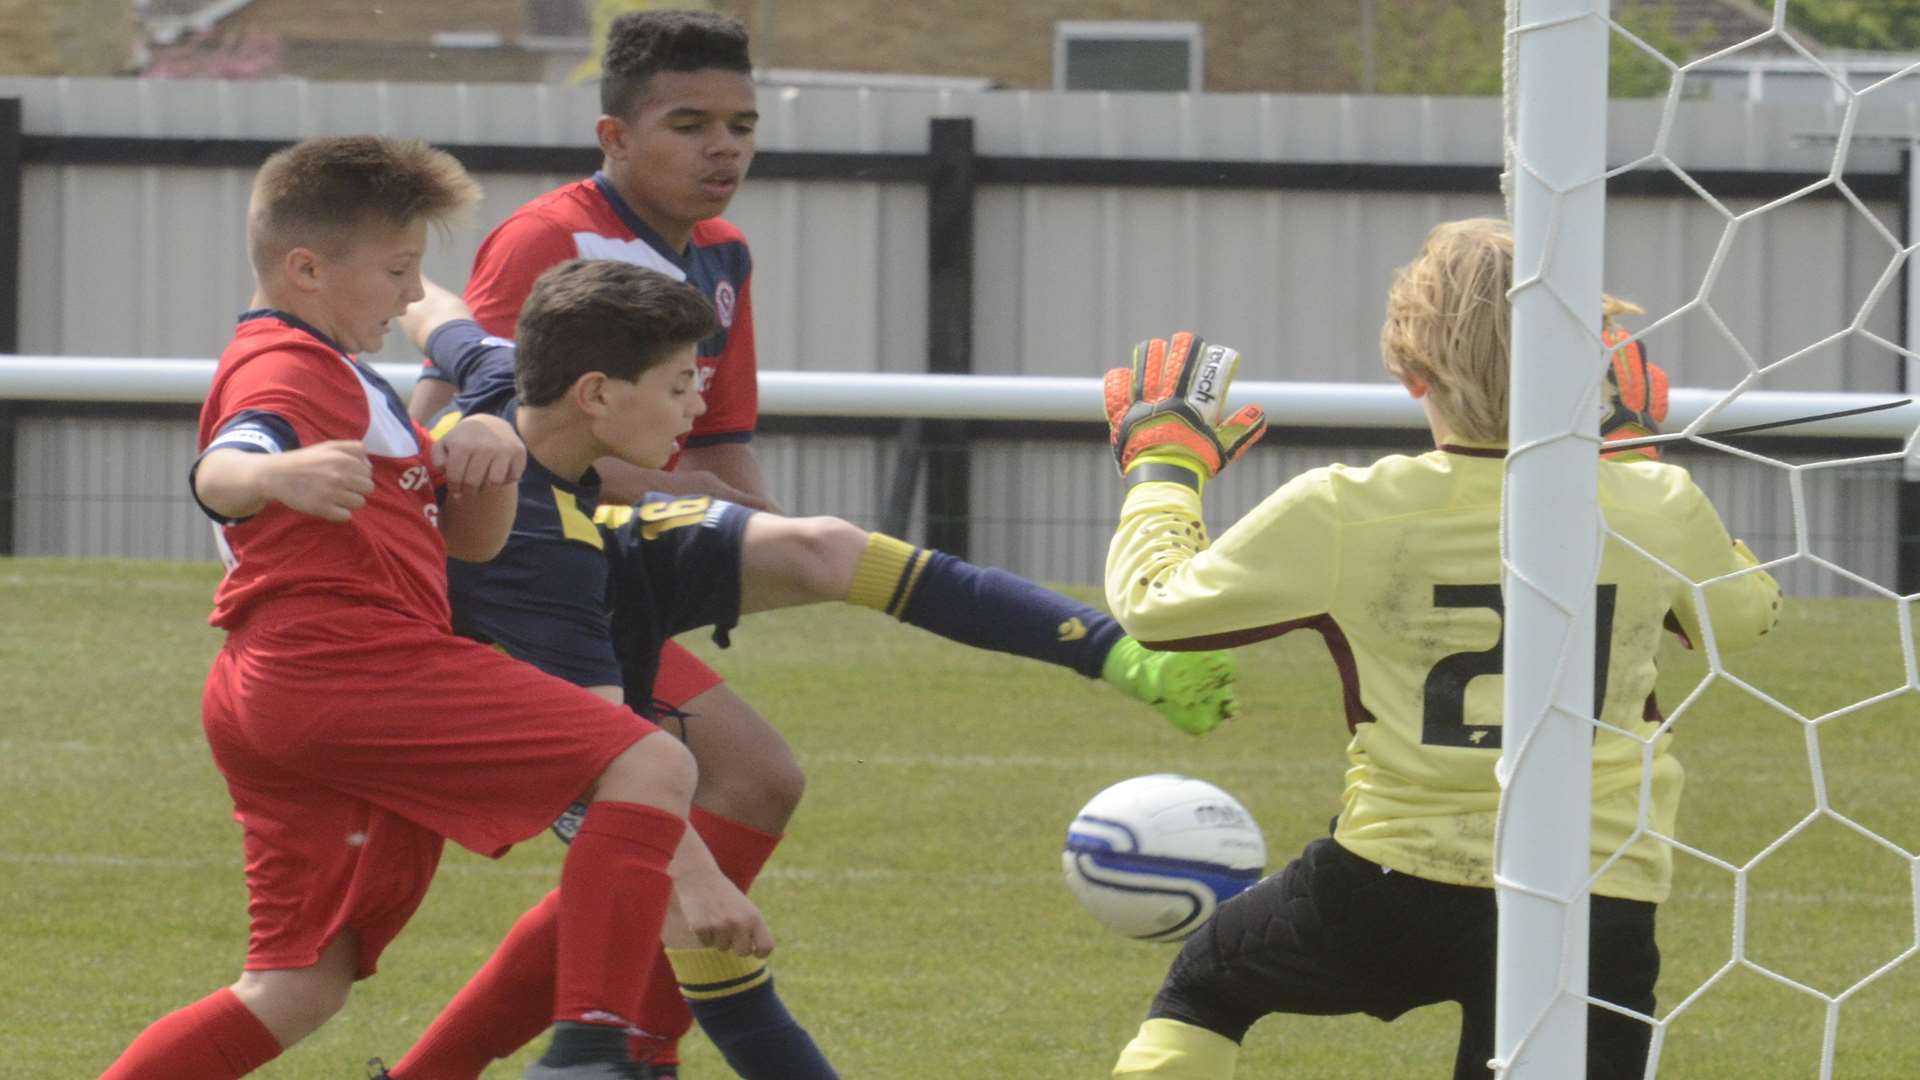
column 950, row 200
column 12, row 161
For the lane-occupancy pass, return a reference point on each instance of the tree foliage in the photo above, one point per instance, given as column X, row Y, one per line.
column 1859, row 24
column 1447, row 47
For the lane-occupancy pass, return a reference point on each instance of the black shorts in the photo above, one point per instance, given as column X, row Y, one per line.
column 1334, row 934
column 674, row 566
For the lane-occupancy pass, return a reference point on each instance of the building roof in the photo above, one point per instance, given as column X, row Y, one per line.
column 169, row 20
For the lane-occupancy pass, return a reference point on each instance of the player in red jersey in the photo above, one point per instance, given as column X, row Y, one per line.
column 678, row 138
column 355, row 732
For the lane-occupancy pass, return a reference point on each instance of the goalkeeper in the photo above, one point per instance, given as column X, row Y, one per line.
column 1397, row 565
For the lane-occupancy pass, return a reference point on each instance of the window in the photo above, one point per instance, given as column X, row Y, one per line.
column 1127, row 56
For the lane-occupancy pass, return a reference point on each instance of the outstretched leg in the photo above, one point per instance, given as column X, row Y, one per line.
column 792, row 561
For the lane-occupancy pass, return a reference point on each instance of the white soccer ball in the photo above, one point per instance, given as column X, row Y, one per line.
column 1152, row 857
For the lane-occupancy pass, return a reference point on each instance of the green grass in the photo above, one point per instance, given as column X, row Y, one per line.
column 924, row 930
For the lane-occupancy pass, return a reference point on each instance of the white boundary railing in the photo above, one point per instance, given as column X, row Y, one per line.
column 985, row 397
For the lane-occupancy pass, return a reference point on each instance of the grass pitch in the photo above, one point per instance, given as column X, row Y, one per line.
column 923, row 928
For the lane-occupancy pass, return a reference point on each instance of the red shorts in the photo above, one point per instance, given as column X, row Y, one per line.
column 354, row 740
column 683, row 676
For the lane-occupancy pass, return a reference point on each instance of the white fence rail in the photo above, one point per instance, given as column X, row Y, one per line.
column 870, row 395
column 95, row 475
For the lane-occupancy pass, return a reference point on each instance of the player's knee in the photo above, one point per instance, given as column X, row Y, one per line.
column 293, row 1004
column 762, row 791
column 656, row 771
column 829, row 549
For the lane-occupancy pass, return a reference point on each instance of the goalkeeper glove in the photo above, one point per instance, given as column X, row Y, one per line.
column 1636, row 398
column 1165, row 412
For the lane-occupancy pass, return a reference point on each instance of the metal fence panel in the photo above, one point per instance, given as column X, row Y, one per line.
column 137, row 260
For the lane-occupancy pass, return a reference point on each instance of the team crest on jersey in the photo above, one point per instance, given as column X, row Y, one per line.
column 723, row 300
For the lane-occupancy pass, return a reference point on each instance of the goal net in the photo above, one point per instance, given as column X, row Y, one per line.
column 1790, row 935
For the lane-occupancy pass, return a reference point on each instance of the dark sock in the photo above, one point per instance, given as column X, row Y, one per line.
column 981, row 606
column 759, row 1038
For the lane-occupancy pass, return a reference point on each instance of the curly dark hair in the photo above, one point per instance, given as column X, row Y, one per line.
column 641, row 44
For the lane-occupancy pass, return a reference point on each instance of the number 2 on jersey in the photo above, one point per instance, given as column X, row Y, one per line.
column 1443, row 720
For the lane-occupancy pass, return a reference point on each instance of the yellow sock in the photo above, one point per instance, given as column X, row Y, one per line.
column 1172, row 1050
column 706, row 974
column 888, row 570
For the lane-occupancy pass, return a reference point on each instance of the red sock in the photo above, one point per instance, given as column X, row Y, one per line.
column 741, row 850
column 614, row 891
column 506, row 1005
column 215, row 1038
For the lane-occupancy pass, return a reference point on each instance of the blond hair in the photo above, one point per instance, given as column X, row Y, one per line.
column 325, row 193
column 1450, row 325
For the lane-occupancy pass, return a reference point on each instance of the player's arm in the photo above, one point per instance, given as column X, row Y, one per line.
column 271, row 443
column 1171, row 589
column 732, row 470
column 436, row 387
column 1171, row 434
column 482, row 458
column 622, row 483
column 329, row 480
column 1743, row 609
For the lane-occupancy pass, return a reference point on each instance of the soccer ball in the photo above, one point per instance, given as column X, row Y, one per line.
column 1152, row 857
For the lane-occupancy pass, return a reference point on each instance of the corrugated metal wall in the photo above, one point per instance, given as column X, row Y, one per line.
column 151, row 262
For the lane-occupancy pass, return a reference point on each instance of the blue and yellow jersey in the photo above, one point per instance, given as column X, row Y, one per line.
column 1397, row 566
column 584, row 592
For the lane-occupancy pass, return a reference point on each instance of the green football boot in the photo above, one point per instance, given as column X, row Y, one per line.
column 1193, row 690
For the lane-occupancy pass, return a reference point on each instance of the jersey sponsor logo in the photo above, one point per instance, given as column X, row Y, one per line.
column 415, row 478
column 723, row 302
column 1073, row 629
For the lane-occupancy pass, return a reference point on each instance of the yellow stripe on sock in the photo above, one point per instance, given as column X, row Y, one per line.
column 706, row 974
column 876, row 577
column 1171, row 1050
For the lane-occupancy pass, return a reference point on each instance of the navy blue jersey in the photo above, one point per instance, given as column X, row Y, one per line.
column 587, row 593
column 675, row 567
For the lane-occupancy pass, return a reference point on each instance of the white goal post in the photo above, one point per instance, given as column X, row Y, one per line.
column 1550, row 532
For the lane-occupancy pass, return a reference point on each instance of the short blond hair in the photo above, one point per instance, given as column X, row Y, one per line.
column 324, row 193
column 1450, row 324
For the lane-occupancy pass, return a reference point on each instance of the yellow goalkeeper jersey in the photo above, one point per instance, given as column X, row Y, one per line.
column 1397, row 565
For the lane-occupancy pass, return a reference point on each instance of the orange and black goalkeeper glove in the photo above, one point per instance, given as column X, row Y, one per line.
column 1166, row 412
column 1636, row 399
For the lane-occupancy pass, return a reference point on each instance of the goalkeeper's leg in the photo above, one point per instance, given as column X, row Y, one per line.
column 1331, row 934
column 791, row 561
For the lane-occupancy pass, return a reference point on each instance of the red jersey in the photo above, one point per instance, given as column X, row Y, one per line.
column 281, row 385
column 588, row 219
